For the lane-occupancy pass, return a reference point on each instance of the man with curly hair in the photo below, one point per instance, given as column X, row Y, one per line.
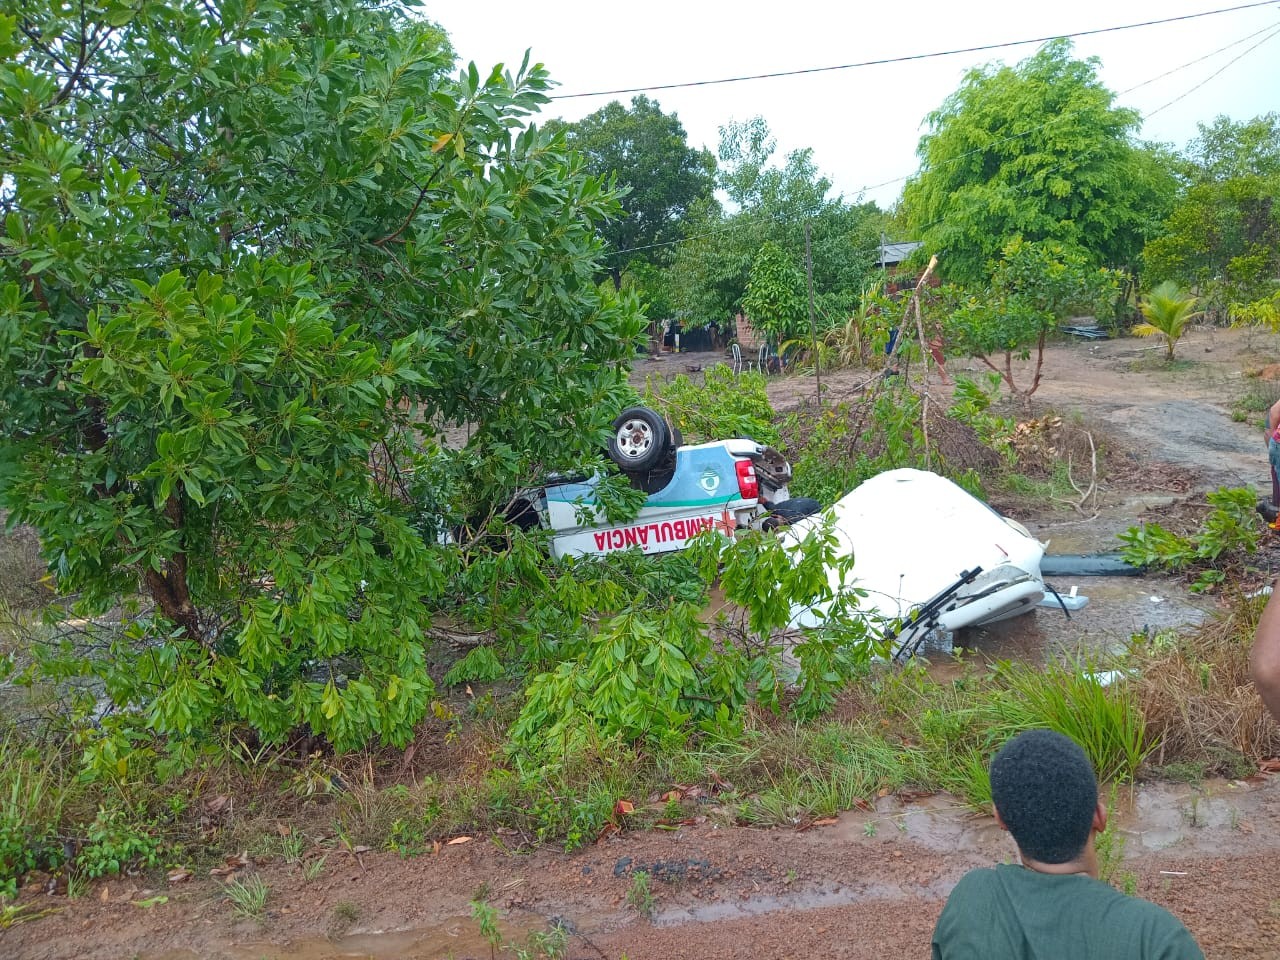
column 1052, row 904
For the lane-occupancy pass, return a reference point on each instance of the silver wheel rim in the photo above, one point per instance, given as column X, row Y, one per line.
column 635, row 439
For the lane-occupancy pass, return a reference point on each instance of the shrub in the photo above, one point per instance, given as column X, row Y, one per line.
column 722, row 406
column 118, row 842
column 1231, row 527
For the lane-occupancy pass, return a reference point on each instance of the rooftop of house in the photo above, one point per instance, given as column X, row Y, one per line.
column 891, row 253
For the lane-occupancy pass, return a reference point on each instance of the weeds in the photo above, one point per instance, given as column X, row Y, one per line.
column 1256, row 400
column 723, row 405
column 248, row 898
column 1109, row 844
column 1230, row 530
column 77, row 884
column 118, row 842
column 1104, row 720
column 835, row 448
column 486, row 917
column 312, row 869
column 344, row 917
column 12, row 914
column 640, row 894
column 33, row 792
column 1186, row 707
column 292, row 845
column 551, row 944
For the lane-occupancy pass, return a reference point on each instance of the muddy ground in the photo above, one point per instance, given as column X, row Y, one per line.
column 871, row 883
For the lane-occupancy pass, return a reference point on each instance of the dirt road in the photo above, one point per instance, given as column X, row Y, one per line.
column 867, row 886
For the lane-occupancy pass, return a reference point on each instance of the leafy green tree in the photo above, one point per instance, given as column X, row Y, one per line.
column 1037, row 151
column 1226, row 149
column 663, row 177
column 776, row 296
column 1168, row 311
column 1032, row 287
column 249, row 253
column 1223, row 236
column 770, row 202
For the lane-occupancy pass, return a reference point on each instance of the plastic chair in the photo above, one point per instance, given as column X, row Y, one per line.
column 735, row 351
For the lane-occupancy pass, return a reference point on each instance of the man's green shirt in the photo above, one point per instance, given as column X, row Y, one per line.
column 1012, row 913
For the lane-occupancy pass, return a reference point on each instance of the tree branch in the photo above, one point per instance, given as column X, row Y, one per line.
column 422, row 193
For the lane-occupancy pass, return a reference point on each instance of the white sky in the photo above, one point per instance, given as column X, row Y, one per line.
column 863, row 124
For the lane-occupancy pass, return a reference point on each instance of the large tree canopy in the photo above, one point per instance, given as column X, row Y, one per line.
column 248, row 250
column 771, row 202
column 1037, row 151
column 1223, row 236
column 649, row 154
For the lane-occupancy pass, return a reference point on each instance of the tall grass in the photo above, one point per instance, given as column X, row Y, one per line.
column 1103, row 718
column 34, row 790
column 1196, row 693
column 956, row 728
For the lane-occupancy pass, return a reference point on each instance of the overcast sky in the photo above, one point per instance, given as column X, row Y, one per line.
column 864, row 124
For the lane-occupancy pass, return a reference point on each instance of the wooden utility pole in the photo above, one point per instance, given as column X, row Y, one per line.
column 813, row 328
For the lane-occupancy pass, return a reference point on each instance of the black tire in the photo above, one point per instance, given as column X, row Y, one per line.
column 789, row 511
column 640, row 440
column 676, row 440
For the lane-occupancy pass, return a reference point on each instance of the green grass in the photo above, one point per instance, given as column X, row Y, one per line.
column 1156, row 361
column 910, row 732
column 1104, row 720
column 640, row 894
column 248, row 898
column 1051, row 489
column 1256, row 400
column 34, row 790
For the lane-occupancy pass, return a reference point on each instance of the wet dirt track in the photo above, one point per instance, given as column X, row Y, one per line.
column 868, row 885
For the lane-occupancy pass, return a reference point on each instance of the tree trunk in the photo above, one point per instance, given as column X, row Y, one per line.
column 1035, row 380
column 1006, row 375
column 169, row 589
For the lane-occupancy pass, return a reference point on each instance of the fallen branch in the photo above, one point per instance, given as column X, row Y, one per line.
column 1092, row 490
column 460, row 639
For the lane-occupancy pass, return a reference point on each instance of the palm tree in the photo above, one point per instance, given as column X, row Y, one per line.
column 1168, row 312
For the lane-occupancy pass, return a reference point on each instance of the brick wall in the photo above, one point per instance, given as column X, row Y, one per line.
column 749, row 338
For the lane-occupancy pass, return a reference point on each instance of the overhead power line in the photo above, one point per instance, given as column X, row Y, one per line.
column 1241, row 54
column 1271, row 30
column 910, row 57
column 1268, row 29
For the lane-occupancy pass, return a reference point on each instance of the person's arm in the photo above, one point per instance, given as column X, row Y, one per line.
column 1265, row 658
column 1273, row 418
